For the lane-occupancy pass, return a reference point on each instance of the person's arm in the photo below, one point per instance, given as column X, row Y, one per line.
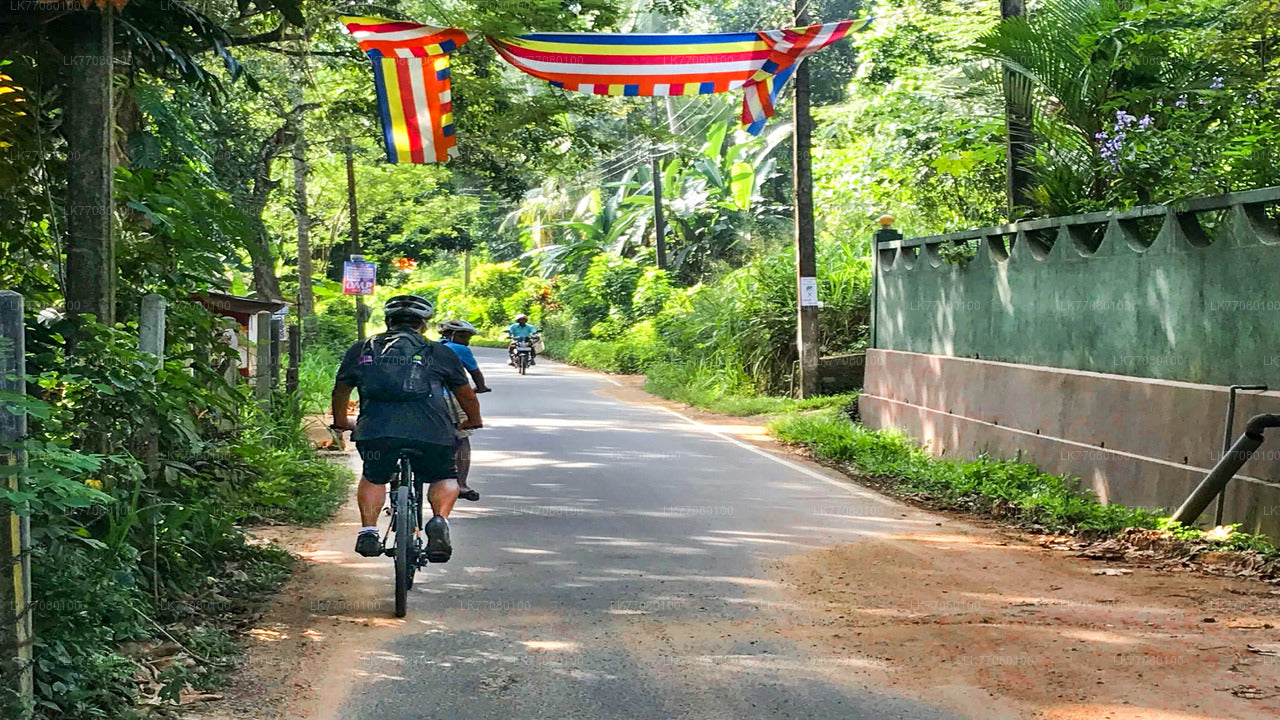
column 339, row 399
column 478, row 378
column 470, row 405
column 343, row 383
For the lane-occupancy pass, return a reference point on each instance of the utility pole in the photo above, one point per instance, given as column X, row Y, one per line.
column 1018, row 127
column 466, row 271
column 659, row 221
column 355, row 232
column 806, row 258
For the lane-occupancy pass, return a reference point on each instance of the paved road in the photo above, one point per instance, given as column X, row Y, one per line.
column 617, row 567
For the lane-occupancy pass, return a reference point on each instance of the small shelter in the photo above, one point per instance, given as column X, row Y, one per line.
column 244, row 310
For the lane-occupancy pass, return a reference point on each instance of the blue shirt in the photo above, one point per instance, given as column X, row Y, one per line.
column 464, row 354
column 521, row 331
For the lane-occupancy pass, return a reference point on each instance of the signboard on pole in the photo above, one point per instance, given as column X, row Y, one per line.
column 358, row 277
column 809, row 292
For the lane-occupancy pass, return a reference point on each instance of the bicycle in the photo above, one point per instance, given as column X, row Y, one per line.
column 406, row 524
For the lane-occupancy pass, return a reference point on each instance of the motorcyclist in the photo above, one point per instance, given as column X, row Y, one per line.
column 387, row 426
column 456, row 335
column 521, row 328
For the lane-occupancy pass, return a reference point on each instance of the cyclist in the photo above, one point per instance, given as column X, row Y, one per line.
column 521, row 329
column 456, row 335
column 418, row 422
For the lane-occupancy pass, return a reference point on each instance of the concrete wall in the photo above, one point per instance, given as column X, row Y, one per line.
column 1190, row 295
column 1097, row 346
column 1136, row 441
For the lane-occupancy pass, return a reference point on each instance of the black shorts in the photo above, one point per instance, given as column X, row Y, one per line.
column 430, row 462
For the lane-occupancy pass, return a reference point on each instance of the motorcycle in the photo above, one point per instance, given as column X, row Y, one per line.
column 522, row 351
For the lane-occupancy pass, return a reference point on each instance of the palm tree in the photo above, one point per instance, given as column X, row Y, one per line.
column 1072, row 59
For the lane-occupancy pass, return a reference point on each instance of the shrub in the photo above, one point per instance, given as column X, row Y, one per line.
column 652, row 293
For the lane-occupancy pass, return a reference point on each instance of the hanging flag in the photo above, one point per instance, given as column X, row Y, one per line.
column 411, row 71
column 411, row 77
column 668, row 65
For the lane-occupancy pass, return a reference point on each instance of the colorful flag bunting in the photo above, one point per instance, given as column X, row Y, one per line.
column 411, row 71
column 411, row 76
column 665, row 65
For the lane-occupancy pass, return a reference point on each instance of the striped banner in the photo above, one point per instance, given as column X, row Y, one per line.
column 411, row 71
column 411, row 77
column 667, row 65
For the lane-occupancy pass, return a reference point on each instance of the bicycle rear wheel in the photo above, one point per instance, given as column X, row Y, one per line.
column 404, row 543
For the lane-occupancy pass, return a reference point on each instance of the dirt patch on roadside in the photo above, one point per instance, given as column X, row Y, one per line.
column 951, row 611
column 303, row 652
column 995, row 622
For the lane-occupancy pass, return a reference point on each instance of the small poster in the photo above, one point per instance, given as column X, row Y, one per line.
column 809, row 292
column 358, row 277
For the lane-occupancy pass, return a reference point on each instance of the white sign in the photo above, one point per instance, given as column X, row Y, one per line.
column 809, row 292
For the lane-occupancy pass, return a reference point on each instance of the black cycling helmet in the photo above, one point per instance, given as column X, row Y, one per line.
column 408, row 306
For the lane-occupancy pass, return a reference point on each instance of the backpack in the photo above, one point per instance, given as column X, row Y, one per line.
column 396, row 367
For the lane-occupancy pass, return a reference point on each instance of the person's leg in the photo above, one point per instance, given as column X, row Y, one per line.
column 462, row 460
column 435, row 463
column 370, row 497
column 372, row 493
column 442, row 495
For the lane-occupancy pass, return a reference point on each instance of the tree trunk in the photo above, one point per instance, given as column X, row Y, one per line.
column 261, row 254
column 306, row 297
column 1019, row 129
column 87, row 125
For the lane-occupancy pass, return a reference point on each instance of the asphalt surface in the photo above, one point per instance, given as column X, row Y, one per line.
column 617, row 567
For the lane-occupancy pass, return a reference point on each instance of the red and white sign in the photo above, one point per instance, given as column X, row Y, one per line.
column 358, row 277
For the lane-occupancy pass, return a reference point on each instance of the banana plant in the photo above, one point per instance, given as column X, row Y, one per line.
column 604, row 220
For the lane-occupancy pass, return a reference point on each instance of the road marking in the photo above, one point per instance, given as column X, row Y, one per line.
column 844, row 485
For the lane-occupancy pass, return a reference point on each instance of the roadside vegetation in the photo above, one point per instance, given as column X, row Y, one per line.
column 143, row 478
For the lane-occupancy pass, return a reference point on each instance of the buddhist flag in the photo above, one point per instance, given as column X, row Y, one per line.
column 663, row 65
column 411, row 76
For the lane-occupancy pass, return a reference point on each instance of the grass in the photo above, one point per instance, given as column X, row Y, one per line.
column 680, row 383
column 1009, row 490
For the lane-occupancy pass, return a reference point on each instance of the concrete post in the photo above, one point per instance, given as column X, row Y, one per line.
column 15, row 540
column 277, row 338
column 262, row 347
column 151, row 327
column 295, row 360
column 151, row 341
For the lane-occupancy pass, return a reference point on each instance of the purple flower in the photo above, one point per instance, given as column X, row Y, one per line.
column 1145, row 122
column 1182, row 101
column 1217, row 83
column 1159, row 103
column 1124, row 119
column 1100, row 136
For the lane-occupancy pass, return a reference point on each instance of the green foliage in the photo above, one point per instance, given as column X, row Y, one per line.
column 1014, row 490
column 701, row 388
column 131, row 526
column 653, row 291
column 613, row 280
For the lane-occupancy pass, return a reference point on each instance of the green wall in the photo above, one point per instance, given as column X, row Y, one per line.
column 1189, row 293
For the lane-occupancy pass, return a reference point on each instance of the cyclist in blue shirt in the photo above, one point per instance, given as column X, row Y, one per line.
column 521, row 329
column 456, row 335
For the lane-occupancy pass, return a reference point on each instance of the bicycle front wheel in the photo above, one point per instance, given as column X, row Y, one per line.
column 404, row 543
